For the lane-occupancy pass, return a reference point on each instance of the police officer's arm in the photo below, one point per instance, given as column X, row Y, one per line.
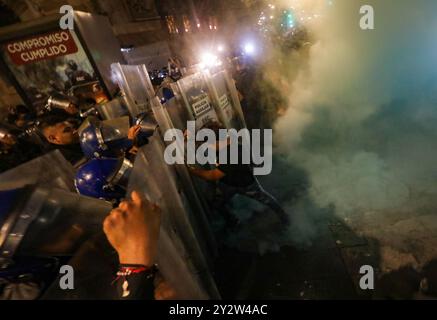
column 210, row 175
column 133, row 230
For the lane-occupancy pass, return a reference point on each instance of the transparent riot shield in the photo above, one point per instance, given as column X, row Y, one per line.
column 194, row 92
column 107, row 130
column 225, row 96
column 115, row 129
column 43, row 221
column 51, row 170
column 174, row 117
column 177, row 113
column 135, row 84
column 114, row 109
column 180, row 256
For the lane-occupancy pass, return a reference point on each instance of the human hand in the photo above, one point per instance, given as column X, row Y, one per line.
column 133, row 132
column 133, row 230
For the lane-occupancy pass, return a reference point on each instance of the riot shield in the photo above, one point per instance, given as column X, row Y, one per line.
column 43, row 221
column 115, row 129
column 51, row 170
column 224, row 94
column 177, row 113
column 134, row 82
column 194, row 92
column 173, row 116
column 230, row 82
column 114, row 109
column 180, row 256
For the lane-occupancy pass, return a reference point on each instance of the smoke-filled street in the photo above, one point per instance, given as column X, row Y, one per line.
column 355, row 153
column 252, row 150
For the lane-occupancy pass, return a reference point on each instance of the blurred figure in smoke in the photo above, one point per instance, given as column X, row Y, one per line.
column 261, row 99
column 236, row 179
column 133, row 230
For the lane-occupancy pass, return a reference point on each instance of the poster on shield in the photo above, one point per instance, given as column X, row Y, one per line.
column 48, row 63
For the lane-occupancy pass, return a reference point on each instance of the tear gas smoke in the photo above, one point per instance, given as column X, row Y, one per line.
column 362, row 111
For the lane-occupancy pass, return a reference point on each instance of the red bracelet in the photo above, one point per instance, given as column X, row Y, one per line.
column 126, row 271
column 136, row 269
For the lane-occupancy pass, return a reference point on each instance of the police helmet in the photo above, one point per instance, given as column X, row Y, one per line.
column 104, row 138
column 104, row 178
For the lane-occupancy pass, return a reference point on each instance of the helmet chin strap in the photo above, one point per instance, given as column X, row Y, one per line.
column 100, row 139
column 116, row 179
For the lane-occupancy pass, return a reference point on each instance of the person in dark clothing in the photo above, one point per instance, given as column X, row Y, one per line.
column 15, row 150
column 75, row 75
column 20, row 116
column 236, row 178
column 62, row 133
column 132, row 229
column 72, row 152
column 261, row 99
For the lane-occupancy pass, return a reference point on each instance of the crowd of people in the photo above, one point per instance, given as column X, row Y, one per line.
column 103, row 157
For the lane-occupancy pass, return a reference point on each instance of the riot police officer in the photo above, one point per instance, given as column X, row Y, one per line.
column 61, row 132
column 116, row 137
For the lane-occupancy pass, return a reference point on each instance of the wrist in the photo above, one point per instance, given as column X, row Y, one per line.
column 139, row 258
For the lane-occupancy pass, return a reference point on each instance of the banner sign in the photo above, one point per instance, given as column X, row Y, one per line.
column 50, row 63
column 226, row 106
column 41, row 47
column 202, row 105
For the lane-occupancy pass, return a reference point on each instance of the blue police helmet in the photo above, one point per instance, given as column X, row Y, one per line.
column 104, row 178
column 167, row 94
column 104, row 138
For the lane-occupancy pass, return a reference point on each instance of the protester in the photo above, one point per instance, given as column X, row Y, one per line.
column 233, row 179
column 133, row 231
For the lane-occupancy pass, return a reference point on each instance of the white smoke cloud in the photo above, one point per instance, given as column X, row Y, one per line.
column 361, row 114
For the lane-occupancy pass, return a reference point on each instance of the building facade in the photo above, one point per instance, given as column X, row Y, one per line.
column 152, row 30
